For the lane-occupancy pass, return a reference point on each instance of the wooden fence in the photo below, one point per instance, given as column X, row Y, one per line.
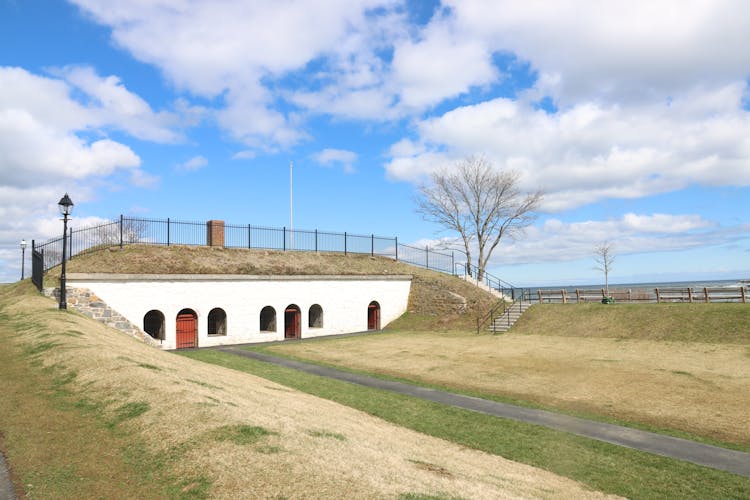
column 658, row 295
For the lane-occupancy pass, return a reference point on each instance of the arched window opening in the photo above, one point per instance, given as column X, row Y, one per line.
column 268, row 319
column 373, row 316
column 315, row 316
column 187, row 329
column 153, row 324
column 292, row 323
column 217, row 322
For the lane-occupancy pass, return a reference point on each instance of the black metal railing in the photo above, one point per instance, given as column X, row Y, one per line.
column 37, row 267
column 145, row 231
column 470, row 271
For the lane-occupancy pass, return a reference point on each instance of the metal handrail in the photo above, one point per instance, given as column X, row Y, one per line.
column 490, row 314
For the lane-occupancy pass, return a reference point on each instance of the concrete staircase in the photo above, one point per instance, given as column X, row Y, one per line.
column 505, row 321
column 483, row 286
column 89, row 304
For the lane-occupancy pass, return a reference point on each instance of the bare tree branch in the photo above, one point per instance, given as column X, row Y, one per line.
column 479, row 202
column 604, row 258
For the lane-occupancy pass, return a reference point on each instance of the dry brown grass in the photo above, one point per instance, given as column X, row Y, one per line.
column 700, row 388
column 437, row 301
column 184, row 403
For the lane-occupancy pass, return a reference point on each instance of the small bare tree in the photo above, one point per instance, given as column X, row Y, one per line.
column 130, row 230
column 479, row 202
column 604, row 257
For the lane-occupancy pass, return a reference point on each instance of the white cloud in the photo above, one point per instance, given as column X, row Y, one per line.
column 193, row 164
column 361, row 59
column 590, row 151
column 558, row 241
column 439, row 66
column 53, row 138
column 114, row 105
column 615, row 50
column 247, row 154
column 663, row 223
column 228, row 48
column 329, row 156
column 41, row 133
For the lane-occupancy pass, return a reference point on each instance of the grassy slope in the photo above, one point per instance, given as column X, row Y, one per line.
column 602, row 466
column 711, row 323
column 434, row 303
column 103, row 415
column 681, row 368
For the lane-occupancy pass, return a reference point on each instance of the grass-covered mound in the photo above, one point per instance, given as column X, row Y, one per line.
column 437, row 300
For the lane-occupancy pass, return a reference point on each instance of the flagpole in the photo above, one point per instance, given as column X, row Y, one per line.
column 291, row 226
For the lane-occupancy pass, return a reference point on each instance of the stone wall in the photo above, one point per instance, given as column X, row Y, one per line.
column 89, row 304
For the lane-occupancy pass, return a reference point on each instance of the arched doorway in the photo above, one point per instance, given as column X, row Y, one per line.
column 153, row 324
column 217, row 322
column 315, row 317
column 268, row 319
column 373, row 316
column 187, row 329
column 292, row 323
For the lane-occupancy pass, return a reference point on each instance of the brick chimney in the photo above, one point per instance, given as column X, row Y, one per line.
column 215, row 233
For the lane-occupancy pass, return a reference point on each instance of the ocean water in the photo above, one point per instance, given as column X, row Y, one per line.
column 649, row 286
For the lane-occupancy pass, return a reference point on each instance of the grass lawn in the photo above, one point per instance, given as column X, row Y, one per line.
column 672, row 383
column 89, row 412
column 601, row 466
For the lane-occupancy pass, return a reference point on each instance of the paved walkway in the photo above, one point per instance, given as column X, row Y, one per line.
column 7, row 492
column 715, row 457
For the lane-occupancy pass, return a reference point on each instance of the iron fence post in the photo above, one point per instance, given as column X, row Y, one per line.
column 168, row 231
column 248, row 237
column 284, row 239
column 63, row 296
column 316, row 241
column 372, row 245
column 120, row 230
column 427, row 256
column 344, row 242
column 396, row 240
column 453, row 262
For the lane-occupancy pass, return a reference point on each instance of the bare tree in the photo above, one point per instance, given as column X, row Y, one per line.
column 479, row 202
column 604, row 257
column 130, row 230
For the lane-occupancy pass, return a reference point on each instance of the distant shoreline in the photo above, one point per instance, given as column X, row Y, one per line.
column 651, row 286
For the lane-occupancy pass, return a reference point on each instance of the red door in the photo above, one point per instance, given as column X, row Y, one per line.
column 292, row 322
column 187, row 330
column 373, row 316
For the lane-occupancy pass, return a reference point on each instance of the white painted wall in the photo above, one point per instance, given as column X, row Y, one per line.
column 344, row 300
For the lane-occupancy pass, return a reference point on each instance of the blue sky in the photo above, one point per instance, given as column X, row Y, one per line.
column 633, row 117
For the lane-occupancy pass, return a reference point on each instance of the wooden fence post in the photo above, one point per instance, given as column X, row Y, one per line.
column 690, row 295
column 564, row 296
column 742, row 292
column 658, row 299
column 539, row 292
column 706, row 298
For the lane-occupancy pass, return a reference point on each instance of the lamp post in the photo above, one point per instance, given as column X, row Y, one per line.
column 23, row 257
column 66, row 206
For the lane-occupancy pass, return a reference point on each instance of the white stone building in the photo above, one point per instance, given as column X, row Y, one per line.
column 208, row 310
